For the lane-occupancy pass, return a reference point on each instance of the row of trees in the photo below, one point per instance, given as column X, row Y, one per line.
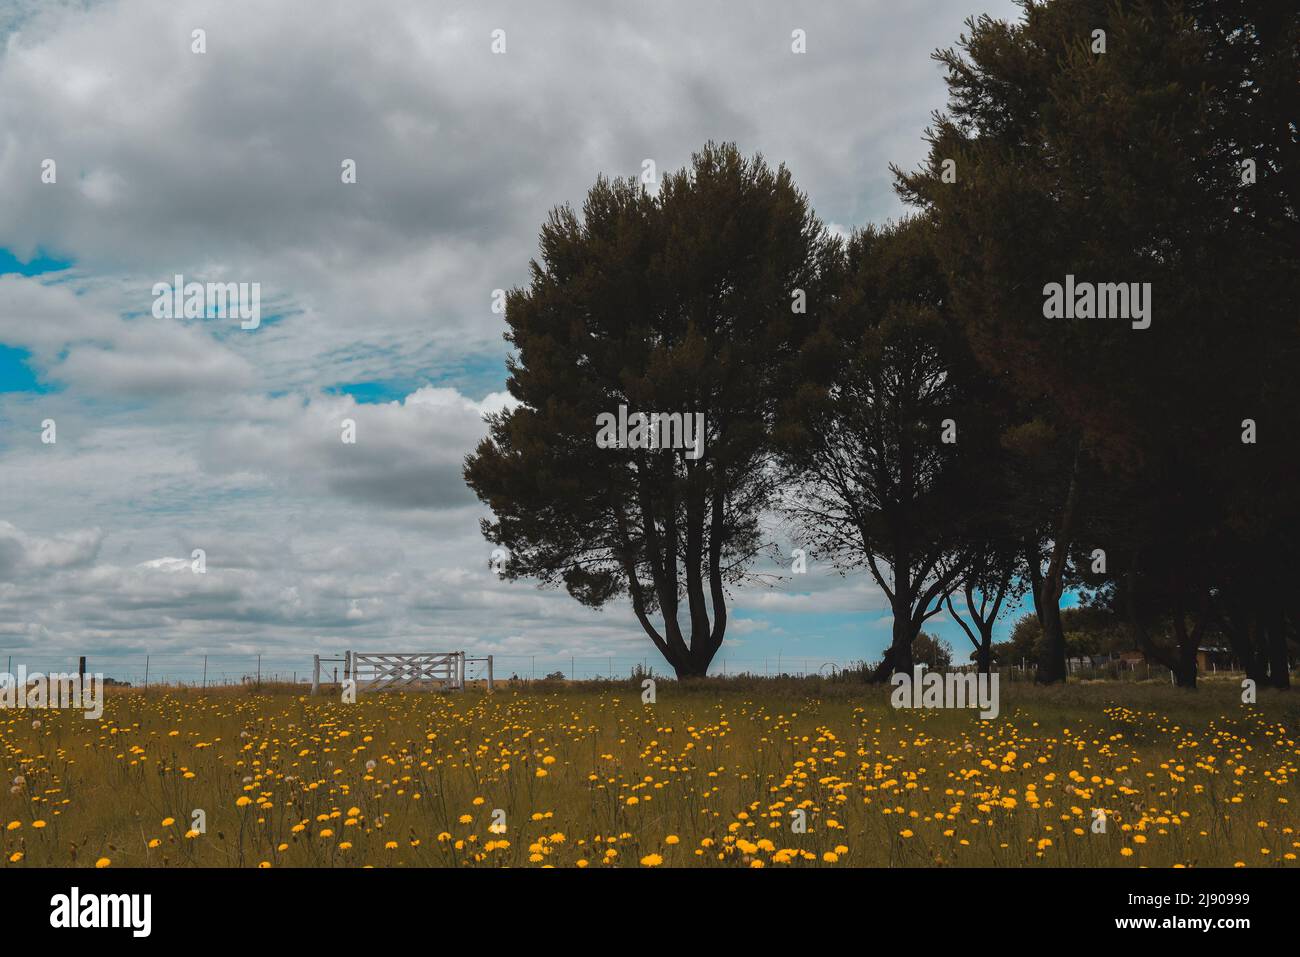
column 901, row 397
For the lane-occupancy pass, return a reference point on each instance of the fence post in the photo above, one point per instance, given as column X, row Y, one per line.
column 489, row 672
column 259, row 672
column 146, row 672
column 315, row 674
column 205, row 671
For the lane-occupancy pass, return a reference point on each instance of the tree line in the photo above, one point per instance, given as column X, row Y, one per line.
column 1072, row 367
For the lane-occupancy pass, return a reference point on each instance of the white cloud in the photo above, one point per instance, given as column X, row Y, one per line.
column 175, row 435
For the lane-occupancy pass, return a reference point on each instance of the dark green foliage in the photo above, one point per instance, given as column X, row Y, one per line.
column 1125, row 166
column 674, row 303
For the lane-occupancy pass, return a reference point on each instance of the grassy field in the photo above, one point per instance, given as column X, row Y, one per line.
column 589, row 776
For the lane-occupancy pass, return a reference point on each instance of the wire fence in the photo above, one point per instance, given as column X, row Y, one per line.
column 221, row 670
column 149, row 670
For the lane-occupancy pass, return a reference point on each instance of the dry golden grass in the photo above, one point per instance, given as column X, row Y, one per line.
column 708, row 776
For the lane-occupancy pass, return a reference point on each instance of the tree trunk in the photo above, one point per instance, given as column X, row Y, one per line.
column 901, row 649
column 984, row 653
column 886, row 666
column 1188, row 641
column 690, row 667
column 898, row 657
column 1279, row 671
column 1185, row 672
column 1241, row 638
column 1051, row 658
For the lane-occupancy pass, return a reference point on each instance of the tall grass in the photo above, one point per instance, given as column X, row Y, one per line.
column 713, row 773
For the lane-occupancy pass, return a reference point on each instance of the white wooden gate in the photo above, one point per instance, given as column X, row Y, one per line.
column 395, row 672
column 442, row 671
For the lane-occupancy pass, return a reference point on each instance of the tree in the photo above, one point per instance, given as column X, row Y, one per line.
column 999, row 517
column 1140, row 150
column 689, row 302
column 934, row 653
column 989, row 583
column 876, row 483
column 1089, row 630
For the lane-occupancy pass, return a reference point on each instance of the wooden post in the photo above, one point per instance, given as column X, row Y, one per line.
column 489, row 672
column 315, row 674
column 205, row 671
column 259, row 671
column 347, row 665
column 146, row 672
column 81, row 665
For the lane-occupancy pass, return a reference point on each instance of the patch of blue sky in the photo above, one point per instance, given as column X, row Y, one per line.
column 476, row 376
column 375, row 392
column 16, row 373
column 36, row 266
column 843, row 636
column 473, row 377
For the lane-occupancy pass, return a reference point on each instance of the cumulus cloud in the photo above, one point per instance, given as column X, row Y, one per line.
column 405, row 454
column 78, row 336
column 225, row 166
column 25, row 555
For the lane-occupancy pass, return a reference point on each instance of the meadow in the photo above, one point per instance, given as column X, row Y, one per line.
column 714, row 773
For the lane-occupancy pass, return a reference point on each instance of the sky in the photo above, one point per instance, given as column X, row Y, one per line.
column 176, row 434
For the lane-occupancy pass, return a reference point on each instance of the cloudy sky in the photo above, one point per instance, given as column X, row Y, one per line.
column 182, row 434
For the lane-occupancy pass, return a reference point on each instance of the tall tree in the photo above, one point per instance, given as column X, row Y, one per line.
column 690, row 302
column 1139, row 150
column 990, row 580
column 872, row 436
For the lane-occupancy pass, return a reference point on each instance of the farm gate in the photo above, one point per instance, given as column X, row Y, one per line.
column 437, row 671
